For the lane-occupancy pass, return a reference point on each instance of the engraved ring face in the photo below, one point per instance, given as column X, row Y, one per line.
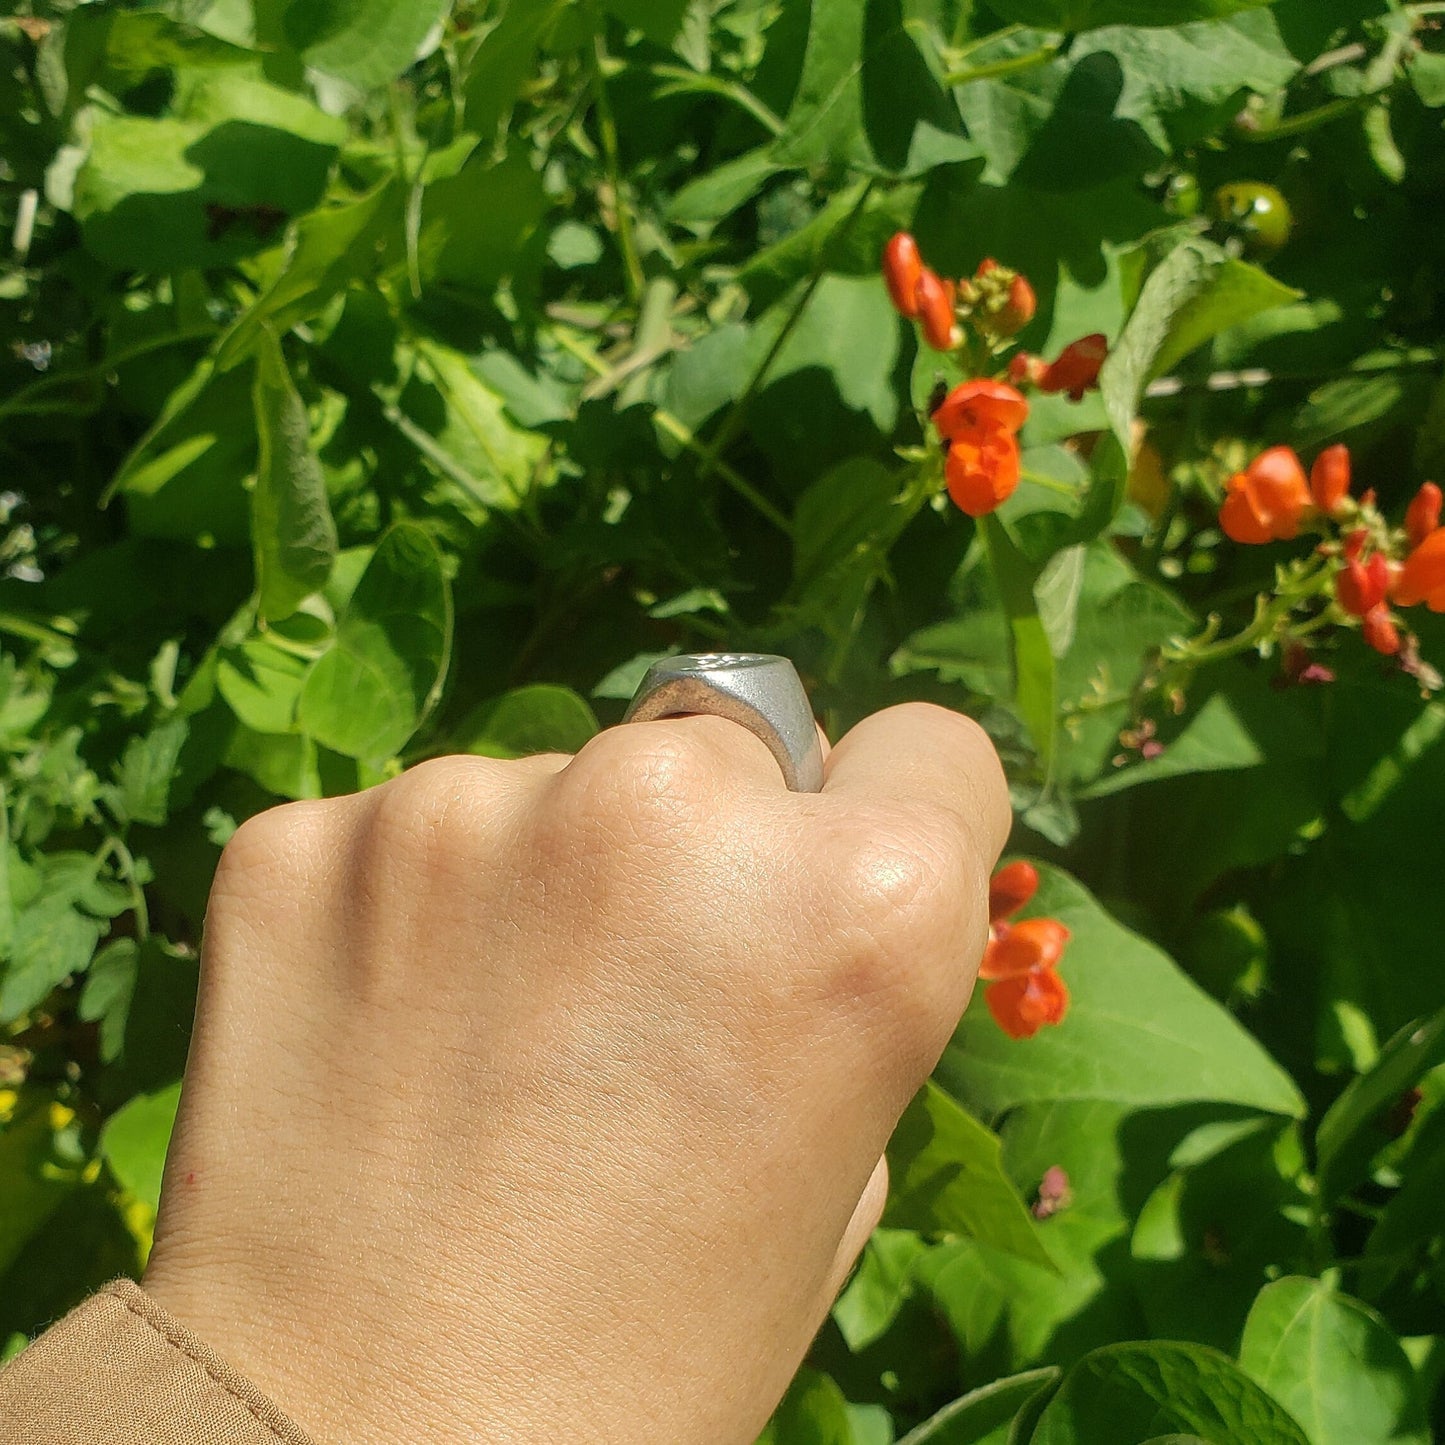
column 757, row 690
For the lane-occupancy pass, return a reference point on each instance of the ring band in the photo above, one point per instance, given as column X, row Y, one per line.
column 761, row 691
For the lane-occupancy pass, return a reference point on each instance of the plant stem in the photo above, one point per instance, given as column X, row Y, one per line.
column 728, row 89
column 1014, row 65
column 680, row 432
column 607, row 130
column 1305, row 121
column 737, row 413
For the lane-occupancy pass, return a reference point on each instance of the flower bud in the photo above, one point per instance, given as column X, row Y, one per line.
column 935, row 311
column 1011, row 888
column 1018, row 309
column 1025, row 369
column 1330, row 479
column 1422, row 516
column 1377, row 628
column 1361, row 586
column 902, row 271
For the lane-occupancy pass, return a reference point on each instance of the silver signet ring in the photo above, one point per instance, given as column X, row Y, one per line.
column 762, row 692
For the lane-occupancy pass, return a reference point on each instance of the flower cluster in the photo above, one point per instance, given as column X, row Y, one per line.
column 977, row 318
column 1020, row 963
column 1371, row 567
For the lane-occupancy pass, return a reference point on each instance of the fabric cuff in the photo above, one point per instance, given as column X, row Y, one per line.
column 118, row 1370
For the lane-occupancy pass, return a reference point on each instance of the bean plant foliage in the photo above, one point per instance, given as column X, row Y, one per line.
column 381, row 380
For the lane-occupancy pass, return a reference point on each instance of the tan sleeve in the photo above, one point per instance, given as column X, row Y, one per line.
column 118, row 1370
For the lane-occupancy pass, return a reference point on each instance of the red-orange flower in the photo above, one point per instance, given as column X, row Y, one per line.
column 1025, row 992
column 982, row 472
column 1422, row 516
column 1018, row 947
column 1267, row 501
column 980, row 421
column 935, row 310
column 1077, row 366
column 1361, row 586
column 1330, row 478
column 980, row 405
column 1422, row 578
column 1023, row 1004
column 1011, row 888
column 902, row 271
column 1017, row 311
column 1379, row 630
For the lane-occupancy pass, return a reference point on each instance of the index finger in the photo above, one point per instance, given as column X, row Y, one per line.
column 917, row 753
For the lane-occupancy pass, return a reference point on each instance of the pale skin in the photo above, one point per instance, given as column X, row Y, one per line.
column 545, row 1100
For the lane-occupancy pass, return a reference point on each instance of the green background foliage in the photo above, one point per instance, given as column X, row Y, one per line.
column 394, row 377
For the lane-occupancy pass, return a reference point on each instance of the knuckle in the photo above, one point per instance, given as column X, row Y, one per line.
column 908, row 917
column 286, row 839
column 647, row 777
column 901, row 873
column 425, row 809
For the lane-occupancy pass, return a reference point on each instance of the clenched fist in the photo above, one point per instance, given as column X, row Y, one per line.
column 544, row 1100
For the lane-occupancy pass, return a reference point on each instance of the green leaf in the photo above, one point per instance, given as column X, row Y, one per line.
column 1335, row 1364
column 658, row 20
column 261, row 681
column 1214, row 740
column 329, row 249
column 1210, row 1236
column 836, row 240
column 947, row 1178
column 147, row 767
column 134, row 42
column 1137, row 1031
column 363, row 42
column 207, row 184
column 718, row 193
column 157, row 982
column 83, row 1245
column 505, row 61
column 869, row 96
column 1071, row 15
column 451, row 246
column 476, row 445
column 134, row 1142
column 1035, row 678
column 37, row 1174
column 109, row 986
column 984, row 1416
column 843, row 527
column 1350, row 1134
column 1412, row 1220
column 813, row 1412
column 879, row 1288
column 1134, row 1391
column 538, row 718
column 284, row 764
column 369, row 693
column 1193, row 294
column 1427, row 75
column 1057, row 592
column 293, row 535
column 1180, row 81
column 53, row 940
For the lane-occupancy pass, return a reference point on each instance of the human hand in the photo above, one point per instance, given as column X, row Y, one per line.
column 544, row 1100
